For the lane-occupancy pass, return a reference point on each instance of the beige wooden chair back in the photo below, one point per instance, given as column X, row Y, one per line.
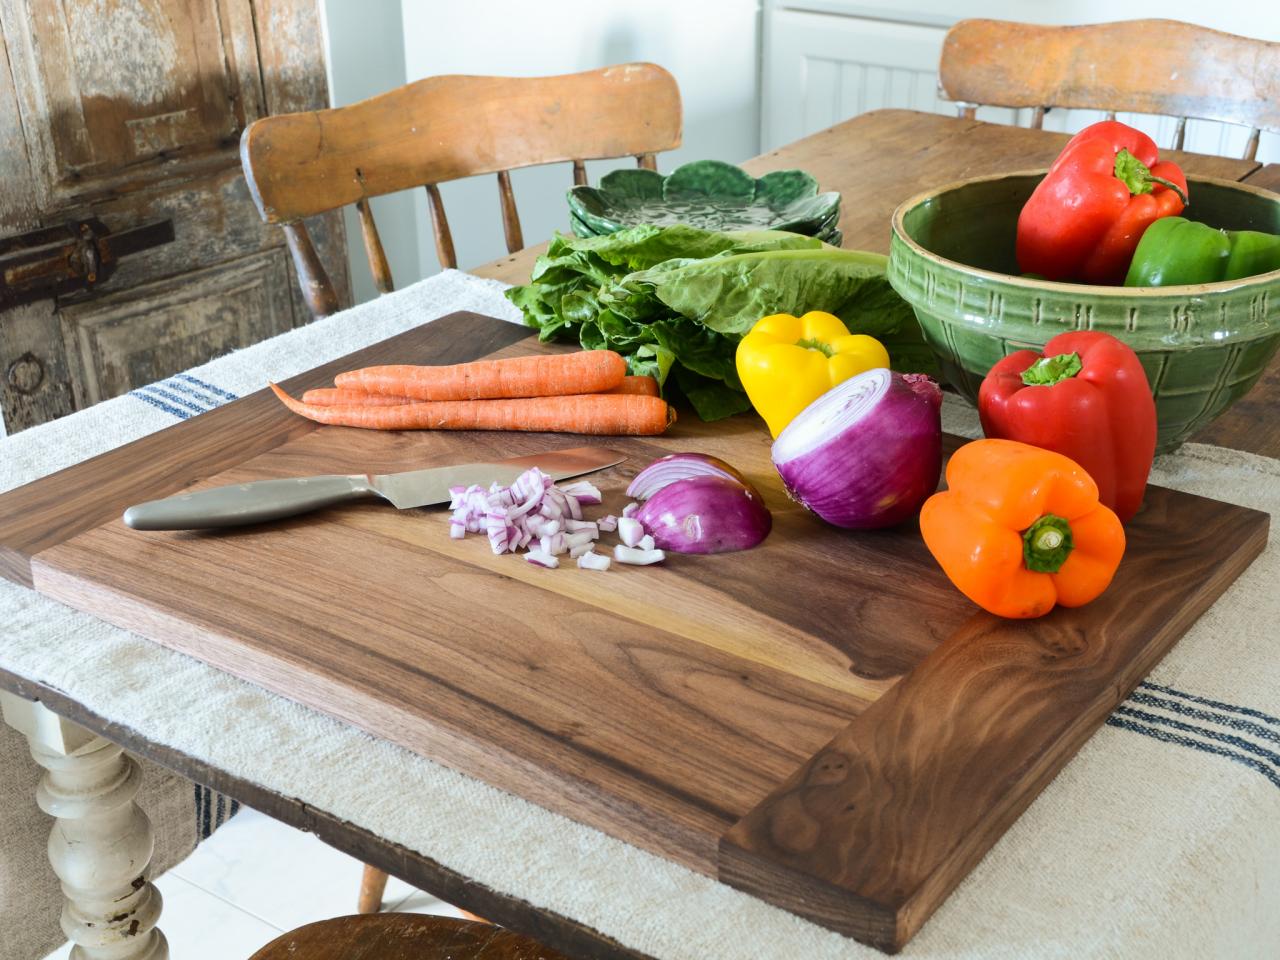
column 1140, row 66
column 445, row 128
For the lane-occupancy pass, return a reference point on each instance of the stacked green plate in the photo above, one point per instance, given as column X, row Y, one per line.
column 708, row 194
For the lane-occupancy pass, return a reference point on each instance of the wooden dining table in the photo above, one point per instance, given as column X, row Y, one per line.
column 876, row 161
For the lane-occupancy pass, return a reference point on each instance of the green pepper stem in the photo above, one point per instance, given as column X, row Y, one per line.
column 814, row 344
column 1046, row 544
column 1047, row 371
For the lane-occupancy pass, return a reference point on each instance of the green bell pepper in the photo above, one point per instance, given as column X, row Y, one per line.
column 1175, row 250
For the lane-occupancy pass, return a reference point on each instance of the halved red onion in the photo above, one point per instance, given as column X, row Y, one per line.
column 682, row 466
column 868, row 452
column 706, row 514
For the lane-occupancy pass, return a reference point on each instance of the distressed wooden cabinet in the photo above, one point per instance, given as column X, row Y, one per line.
column 130, row 111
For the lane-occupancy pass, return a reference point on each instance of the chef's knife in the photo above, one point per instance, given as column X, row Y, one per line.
column 263, row 500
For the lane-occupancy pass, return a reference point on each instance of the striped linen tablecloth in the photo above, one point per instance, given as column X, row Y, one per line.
column 1161, row 839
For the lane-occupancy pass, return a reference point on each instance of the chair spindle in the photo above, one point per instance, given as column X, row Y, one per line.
column 1037, row 118
column 647, row 161
column 510, row 218
column 579, row 173
column 1251, row 148
column 1180, row 134
column 967, row 111
column 1111, row 114
column 317, row 289
column 378, row 264
column 440, row 226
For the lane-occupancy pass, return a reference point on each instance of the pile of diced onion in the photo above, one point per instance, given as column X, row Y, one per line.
column 535, row 515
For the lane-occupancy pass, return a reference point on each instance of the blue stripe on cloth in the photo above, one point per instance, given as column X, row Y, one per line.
column 216, row 391
column 160, row 404
column 1168, row 737
column 1239, row 742
column 198, row 396
column 158, row 391
column 1184, row 710
column 1216, row 704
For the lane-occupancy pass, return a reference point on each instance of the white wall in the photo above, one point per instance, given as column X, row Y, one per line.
column 364, row 42
column 711, row 46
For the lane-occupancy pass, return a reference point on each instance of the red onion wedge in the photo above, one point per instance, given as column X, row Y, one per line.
column 706, row 514
column 868, row 452
column 682, row 466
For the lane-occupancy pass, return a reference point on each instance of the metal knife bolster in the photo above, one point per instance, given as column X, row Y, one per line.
column 245, row 503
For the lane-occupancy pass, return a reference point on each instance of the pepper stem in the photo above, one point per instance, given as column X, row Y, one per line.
column 1046, row 544
column 814, row 344
column 1137, row 176
column 1047, row 371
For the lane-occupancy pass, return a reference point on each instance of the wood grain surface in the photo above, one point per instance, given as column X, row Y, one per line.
column 874, row 831
column 665, row 705
column 402, row 936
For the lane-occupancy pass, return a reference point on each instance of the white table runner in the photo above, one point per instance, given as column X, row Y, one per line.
column 1160, row 839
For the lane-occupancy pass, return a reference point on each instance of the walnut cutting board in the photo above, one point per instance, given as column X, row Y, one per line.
column 824, row 722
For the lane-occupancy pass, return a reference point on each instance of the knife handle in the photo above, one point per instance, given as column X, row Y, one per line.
column 245, row 503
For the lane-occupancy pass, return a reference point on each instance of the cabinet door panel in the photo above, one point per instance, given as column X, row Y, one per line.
column 153, row 331
column 110, row 84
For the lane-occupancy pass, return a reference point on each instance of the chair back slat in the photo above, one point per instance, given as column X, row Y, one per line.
column 314, row 282
column 510, row 217
column 1159, row 67
column 446, row 128
column 378, row 265
column 440, row 227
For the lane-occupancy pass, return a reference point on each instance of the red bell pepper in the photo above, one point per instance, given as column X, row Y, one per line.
column 1085, row 218
column 1087, row 398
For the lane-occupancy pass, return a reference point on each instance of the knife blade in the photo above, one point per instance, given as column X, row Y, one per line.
column 240, row 504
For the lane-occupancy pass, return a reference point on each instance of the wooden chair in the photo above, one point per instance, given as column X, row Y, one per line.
column 1140, row 66
column 402, row 936
column 445, row 128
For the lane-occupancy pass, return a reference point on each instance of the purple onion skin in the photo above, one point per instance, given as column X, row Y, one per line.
column 706, row 515
column 878, row 471
column 682, row 466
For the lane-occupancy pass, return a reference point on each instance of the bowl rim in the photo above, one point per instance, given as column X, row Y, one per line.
column 1180, row 291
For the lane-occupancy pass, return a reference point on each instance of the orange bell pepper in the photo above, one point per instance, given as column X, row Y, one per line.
column 1020, row 529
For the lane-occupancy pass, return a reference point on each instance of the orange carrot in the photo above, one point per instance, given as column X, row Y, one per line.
column 640, row 386
column 588, row 371
column 337, row 397
column 610, row 414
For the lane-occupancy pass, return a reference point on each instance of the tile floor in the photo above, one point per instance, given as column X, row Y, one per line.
column 256, row 878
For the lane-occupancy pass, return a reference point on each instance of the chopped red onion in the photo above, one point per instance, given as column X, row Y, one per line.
column 624, row 554
column 630, row 509
column 580, row 549
column 594, row 561
column 646, row 542
column 542, row 559
column 584, row 493
column 630, row 531
column 607, row 524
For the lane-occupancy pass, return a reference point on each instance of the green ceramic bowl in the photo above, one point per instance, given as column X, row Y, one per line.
column 1203, row 346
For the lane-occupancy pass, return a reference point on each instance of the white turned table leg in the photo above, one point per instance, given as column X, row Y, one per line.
column 101, row 843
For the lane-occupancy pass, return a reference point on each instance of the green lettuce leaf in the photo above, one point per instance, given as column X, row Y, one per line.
column 676, row 300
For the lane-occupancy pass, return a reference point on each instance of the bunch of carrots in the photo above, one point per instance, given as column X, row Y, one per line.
column 586, row 392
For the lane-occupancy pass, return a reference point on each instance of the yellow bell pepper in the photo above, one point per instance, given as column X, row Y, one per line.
column 785, row 362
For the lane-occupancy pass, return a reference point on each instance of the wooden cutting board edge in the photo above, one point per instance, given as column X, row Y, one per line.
column 838, row 890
